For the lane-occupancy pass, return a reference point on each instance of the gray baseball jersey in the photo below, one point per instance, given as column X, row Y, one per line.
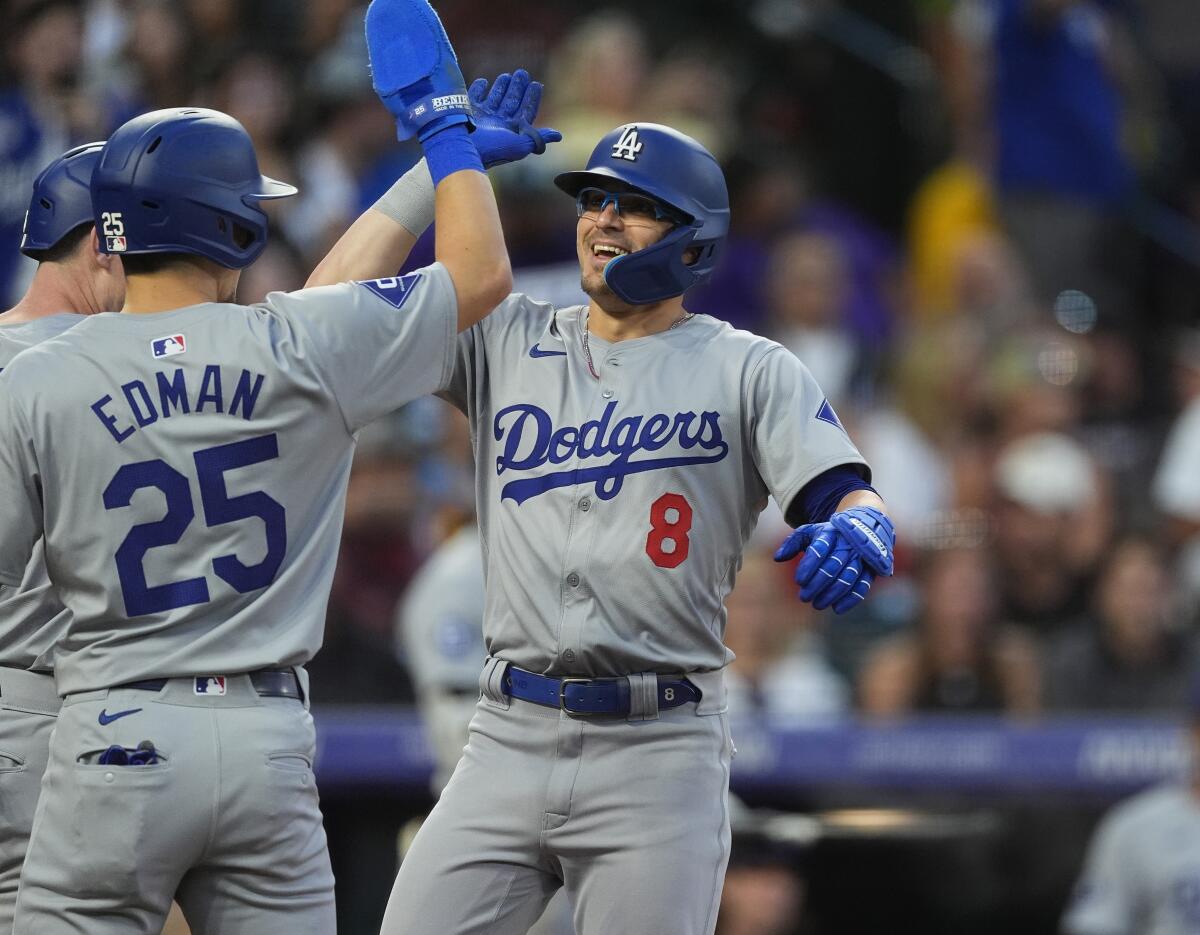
column 1142, row 875
column 31, row 619
column 614, row 511
column 31, row 616
column 189, row 469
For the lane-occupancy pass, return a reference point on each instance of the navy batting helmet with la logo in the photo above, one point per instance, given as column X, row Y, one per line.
column 676, row 170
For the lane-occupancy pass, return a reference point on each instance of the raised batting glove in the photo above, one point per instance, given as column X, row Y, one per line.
column 841, row 557
column 413, row 68
column 504, row 115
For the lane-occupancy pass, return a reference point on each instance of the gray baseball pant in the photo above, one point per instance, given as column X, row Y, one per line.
column 228, row 822
column 28, row 706
column 631, row 816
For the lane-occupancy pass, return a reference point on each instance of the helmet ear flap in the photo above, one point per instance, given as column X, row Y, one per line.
column 659, row 271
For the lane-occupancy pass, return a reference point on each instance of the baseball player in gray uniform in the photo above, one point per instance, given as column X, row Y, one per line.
column 1142, row 873
column 73, row 279
column 623, row 452
column 187, row 463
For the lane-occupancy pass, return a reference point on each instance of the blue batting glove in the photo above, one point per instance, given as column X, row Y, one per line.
column 413, row 68
column 841, row 557
column 504, row 116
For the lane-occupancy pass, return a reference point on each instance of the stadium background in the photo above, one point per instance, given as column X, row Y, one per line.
column 978, row 228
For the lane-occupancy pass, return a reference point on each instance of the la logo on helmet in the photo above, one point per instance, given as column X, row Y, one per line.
column 628, row 146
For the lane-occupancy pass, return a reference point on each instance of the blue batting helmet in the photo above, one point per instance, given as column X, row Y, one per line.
column 62, row 200
column 183, row 181
column 677, row 171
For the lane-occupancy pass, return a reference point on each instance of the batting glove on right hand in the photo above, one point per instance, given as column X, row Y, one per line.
column 841, row 557
column 504, row 130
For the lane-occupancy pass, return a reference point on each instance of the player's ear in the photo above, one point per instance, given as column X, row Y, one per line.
column 105, row 261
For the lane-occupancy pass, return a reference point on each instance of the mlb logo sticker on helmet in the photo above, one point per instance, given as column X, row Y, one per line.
column 115, row 244
column 210, row 685
column 169, row 346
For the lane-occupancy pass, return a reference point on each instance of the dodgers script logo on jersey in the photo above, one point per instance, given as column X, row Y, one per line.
column 531, row 440
column 169, row 346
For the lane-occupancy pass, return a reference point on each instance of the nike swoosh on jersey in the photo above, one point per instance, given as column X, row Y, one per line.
column 106, row 718
column 536, row 351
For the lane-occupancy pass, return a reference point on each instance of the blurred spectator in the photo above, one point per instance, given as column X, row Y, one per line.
column 764, row 891
column 1119, row 422
column 40, row 111
column 772, row 196
column 1052, row 521
column 256, row 90
column 952, row 206
column 353, row 131
column 439, row 639
column 596, row 81
column 1128, row 656
column 376, row 560
column 1142, row 874
column 780, row 671
column 279, row 269
column 1176, row 487
column 959, row 656
column 1059, row 164
column 692, row 90
column 158, row 64
column 807, row 290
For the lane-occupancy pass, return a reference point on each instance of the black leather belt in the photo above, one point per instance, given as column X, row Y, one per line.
column 269, row 683
column 590, row 697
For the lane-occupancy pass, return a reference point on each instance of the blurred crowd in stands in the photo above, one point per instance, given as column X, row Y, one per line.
column 975, row 221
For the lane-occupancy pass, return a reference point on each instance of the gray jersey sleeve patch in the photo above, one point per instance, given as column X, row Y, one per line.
column 793, row 429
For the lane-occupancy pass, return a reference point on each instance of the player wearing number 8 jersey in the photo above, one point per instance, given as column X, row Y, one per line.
column 623, row 452
column 187, row 461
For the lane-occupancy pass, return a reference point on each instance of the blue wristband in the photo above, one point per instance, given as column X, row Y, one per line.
column 449, row 151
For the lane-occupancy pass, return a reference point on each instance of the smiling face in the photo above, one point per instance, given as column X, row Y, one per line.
column 604, row 235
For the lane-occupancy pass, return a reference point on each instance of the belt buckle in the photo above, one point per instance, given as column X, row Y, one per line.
column 562, row 697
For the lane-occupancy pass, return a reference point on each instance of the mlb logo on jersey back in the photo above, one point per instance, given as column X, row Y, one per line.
column 394, row 290
column 169, row 346
column 116, row 244
column 210, row 685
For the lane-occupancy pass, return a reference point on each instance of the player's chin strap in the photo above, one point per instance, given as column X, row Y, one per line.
column 656, row 273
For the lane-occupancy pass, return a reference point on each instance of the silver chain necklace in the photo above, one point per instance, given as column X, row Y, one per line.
column 587, row 351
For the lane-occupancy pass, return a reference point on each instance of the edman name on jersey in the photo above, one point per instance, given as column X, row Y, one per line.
column 168, row 394
column 531, row 440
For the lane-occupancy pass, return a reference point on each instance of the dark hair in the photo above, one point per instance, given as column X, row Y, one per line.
column 67, row 244
column 140, row 264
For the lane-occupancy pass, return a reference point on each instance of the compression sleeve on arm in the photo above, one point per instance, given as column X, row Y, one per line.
column 818, row 499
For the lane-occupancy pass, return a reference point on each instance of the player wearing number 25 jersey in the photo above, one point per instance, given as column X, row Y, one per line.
column 624, row 450
column 187, row 461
